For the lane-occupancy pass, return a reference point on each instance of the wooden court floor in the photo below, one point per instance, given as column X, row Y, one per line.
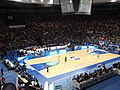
column 86, row 59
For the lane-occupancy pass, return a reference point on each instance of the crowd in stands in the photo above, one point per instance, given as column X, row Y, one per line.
column 101, row 71
column 54, row 30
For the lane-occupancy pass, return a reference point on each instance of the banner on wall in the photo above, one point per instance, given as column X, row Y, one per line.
column 62, row 51
column 55, row 52
column 50, row 53
column 83, row 47
column 93, row 47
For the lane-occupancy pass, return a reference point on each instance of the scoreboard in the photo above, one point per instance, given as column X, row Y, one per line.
column 85, row 7
column 76, row 6
column 67, row 6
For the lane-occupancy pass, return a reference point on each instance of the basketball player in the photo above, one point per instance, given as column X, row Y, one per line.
column 94, row 50
column 59, row 58
column 87, row 50
column 2, row 72
column 47, row 68
column 98, row 56
column 65, row 59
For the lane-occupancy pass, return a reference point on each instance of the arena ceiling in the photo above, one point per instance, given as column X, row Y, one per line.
column 56, row 2
column 53, row 5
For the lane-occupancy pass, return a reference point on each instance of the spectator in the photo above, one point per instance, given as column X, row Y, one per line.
column 9, row 86
column 2, row 73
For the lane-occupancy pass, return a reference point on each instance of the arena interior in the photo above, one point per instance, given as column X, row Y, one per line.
column 59, row 44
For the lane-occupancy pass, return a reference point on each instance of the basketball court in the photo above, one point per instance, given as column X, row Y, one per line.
column 77, row 61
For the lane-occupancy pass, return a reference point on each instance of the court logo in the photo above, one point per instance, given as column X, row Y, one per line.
column 75, row 58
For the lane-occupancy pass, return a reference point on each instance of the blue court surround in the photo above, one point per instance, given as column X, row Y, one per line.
column 39, row 66
column 42, row 66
